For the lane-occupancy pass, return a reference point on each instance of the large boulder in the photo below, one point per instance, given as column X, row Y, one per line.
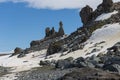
column 54, row 47
column 63, row 64
column 85, row 14
column 34, row 43
column 45, row 63
column 17, row 51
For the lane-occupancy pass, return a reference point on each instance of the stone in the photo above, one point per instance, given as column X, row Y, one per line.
column 107, row 4
column 80, row 59
column 85, row 14
column 45, row 63
column 113, row 68
column 34, row 43
column 17, row 50
column 64, row 64
column 53, row 48
column 21, row 55
column 112, row 60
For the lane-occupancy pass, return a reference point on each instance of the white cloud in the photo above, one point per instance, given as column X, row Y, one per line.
column 59, row 4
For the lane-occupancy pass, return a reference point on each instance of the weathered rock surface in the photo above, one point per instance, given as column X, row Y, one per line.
column 90, row 74
column 85, row 14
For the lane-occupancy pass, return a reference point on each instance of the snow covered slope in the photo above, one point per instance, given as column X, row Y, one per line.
column 20, row 64
column 100, row 40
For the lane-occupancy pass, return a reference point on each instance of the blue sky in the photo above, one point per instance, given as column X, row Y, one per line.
column 19, row 25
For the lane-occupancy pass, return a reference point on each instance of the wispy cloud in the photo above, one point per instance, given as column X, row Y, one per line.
column 58, row 4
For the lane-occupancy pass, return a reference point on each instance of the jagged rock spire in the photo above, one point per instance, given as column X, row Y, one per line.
column 61, row 30
column 47, row 32
column 52, row 31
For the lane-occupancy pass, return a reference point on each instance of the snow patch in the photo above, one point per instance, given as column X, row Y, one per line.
column 105, row 16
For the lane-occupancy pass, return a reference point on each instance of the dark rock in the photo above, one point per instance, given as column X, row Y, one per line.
column 99, row 66
column 106, row 6
column 45, row 63
column 81, row 62
column 17, row 50
column 21, row 55
column 85, row 14
column 80, row 59
column 112, row 60
column 47, row 31
column 61, row 30
column 95, row 50
column 63, row 64
column 34, row 43
column 115, row 48
column 95, row 58
column 54, row 47
column 113, row 68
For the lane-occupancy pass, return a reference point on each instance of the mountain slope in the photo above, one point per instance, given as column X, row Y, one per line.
column 98, row 35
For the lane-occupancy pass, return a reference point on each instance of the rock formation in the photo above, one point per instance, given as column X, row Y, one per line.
column 105, row 6
column 18, row 50
column 85, row 14
column 53, row 33
column 47, row 31
column 61, row 30
column 88, row 15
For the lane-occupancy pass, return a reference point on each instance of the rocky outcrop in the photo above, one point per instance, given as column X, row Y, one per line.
column 53, row 33
column 85, row 14
column 106, row 6
column 61, row 30
column 88, row 15
column 54, row 47
column 49, row 32
column 17, row 51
